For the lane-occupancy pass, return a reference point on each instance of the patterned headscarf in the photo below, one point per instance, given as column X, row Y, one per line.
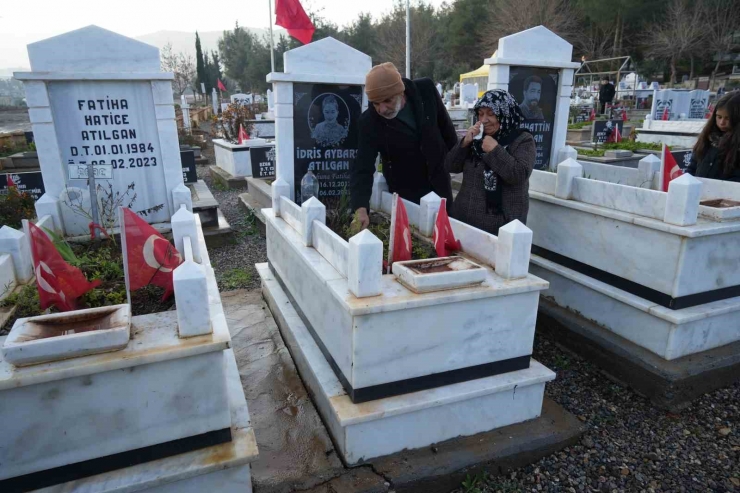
column 510, row 117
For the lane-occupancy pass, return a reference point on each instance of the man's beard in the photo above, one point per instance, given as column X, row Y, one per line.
column 396, row 110
column 533, row 103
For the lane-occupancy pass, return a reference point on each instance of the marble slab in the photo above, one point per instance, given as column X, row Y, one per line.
column 462, row 273
column 432, row 332
column 331, row 246
column 670, row 334
column 220, row 468
column 96, row 414
column 235, row 158
column 673, row 260
column 382, row 427
column 7, row 275
column 638, row 201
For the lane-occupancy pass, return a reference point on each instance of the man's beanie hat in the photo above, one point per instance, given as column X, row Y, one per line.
column 383, row 82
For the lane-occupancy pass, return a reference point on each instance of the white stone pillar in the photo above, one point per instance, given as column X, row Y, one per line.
column 185, row 107
column 45, row 137
column 15, row 243
column 428, row 208
column 49, row 205
column 184, row 225
column 498, row 77
column 285, row 160
column 562, row 110
column 280, row 188
column 214, row 101
column 568, row 171
column 181, row 195
column 191, row 296
column 647, row 169
column 513, row 250
column 270, row 101
column 311, row 210
column 7, row 275
column 682, row 205
column 566, row 153
column 168, row 141
column 365, row 264
column 379, row 186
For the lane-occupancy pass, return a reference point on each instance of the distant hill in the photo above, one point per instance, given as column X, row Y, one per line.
column 184, row 42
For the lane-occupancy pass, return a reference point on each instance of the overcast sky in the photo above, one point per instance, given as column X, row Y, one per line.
column 33, row 20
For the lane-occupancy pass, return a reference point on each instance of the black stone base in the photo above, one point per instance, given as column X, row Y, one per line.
column 670, row 385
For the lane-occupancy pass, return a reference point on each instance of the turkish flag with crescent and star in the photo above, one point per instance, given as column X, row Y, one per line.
column 151, row 258
column 444, row 239
column 671, row 169
column 401, row 234
column 58, row 283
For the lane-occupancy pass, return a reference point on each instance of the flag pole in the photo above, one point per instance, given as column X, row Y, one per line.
column 392, row 231
column 272, row 46
column 124, row 251
column 408, row 41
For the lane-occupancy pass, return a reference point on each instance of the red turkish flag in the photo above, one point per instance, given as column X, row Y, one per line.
column 592, row 116
column 615, row 136
column 151, row 258
column 671, row 169
column 401, row 234
column 666, row 115
column 221, row 86
column 291, row 16
column 58, row 283
column 242, row 134
column 624, row 115
column 444, row 239
column 9, row 180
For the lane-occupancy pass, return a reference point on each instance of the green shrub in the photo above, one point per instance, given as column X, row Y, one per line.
column 15, row 206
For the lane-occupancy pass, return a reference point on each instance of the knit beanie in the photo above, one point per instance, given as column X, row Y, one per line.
column 383, row 82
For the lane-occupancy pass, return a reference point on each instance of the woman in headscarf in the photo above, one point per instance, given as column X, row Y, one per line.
column 495, row 165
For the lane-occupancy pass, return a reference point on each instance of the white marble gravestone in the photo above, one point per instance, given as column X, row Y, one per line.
column 538, row 48
column 326, row 61
column 96, row 96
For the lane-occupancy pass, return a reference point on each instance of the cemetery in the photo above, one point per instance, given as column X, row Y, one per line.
column 418, row 353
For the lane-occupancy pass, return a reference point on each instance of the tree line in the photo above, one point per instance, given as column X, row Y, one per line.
column 671, row 37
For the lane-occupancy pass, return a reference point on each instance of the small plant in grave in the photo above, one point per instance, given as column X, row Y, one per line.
column 14, row 207
column 109, row 201
column 236, row 114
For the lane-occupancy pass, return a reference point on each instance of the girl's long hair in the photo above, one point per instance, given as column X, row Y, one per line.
column 729, row 144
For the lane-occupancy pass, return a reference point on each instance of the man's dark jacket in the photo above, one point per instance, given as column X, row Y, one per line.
column 413, row 161
column 606, row 93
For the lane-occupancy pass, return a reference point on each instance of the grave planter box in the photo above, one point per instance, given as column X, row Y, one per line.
column 621, row 242
column 579, row 134
column 399, row 341
column 234, row 158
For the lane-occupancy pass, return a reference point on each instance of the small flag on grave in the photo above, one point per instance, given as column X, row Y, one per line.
column 624, row 114
column 58, row 283
column 221, row 86
column 669, row 168
column 150, row 258
column 666, row 114
column 615, row 135
column 444, row 239
column 290, row 15
column 710, row 110
column 242, row 135
column 592, row 116
column 400, row 246
column 9, row 180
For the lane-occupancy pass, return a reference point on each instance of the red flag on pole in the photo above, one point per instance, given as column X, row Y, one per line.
column 151, row 258
column 444, row 239
column 666, row 114
column 401, row 234
column 242, row 135
column 290, row 15
column 9, row 180
column 58, row 283
column 624, row 115
column 592, row 116
column 671, row 169
column 710, row 110
column 221, row 86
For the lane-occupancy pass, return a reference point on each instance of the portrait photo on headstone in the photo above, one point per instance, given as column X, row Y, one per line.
column 325, row 126
column 536, row 89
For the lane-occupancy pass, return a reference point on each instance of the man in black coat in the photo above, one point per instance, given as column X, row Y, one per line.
column 606, row 94
column 409, row 126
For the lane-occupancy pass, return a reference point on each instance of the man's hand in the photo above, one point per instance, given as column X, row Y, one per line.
column 472, row 132
column 360, row 221
column 489, row 143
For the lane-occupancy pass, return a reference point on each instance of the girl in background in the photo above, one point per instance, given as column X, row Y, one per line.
column 717, row 152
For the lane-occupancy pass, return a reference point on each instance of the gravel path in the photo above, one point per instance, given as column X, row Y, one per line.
column 234, row 264
column 630, row 446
